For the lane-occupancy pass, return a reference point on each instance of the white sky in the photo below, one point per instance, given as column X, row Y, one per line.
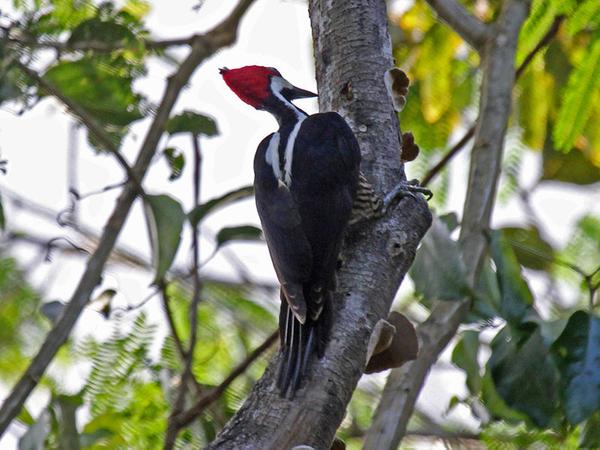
column 273, row 33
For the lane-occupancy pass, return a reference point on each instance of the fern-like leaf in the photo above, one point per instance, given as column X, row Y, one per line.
column 585, row 15
column 582, row 90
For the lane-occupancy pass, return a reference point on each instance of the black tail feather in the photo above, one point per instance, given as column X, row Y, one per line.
column 298, row 343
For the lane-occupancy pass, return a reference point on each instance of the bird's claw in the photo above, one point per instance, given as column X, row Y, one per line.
column 405, row 189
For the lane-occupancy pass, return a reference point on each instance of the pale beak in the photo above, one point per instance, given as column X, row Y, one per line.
column 292, row 92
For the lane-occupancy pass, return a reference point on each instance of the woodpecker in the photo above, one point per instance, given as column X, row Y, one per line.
column 306, row 176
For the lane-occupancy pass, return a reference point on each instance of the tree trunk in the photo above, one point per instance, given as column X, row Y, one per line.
column 353, row 51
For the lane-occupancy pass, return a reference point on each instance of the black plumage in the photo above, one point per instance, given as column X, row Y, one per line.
column 304, row 224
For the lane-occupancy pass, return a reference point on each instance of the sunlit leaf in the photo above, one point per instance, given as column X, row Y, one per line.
column 583, row 15
column 165, row 218
column 438, row 270
column 537, row 24
column 535, row 101
column 239, row 233
column 197, row 214
column 577, row 352
column 192, row 122
column 582, row 90
column 137, row 8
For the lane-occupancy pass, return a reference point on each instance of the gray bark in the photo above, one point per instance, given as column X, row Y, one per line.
column 353, row 51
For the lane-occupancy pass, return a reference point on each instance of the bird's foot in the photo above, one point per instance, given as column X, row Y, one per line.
column 404, row 189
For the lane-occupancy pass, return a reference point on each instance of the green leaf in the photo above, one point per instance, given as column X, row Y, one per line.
column 590, row 433
column 487, row 301
column 464, row 356
column 583, row 16
column 577, row 353
column 495, row 404
column 581, row 92
column 137, row 8
column 516, row 298
column 537, row 24
column 239, row 233
column 192, row 122
column 176, row 161
column 102, row 91
column 197, row 214
column 165, row 217
column 25, row 417
column 96, row 29
column 438, row 270
column 524, row 374
column 530, row 249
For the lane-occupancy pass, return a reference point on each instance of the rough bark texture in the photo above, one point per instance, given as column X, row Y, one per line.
column 353, row 51
column 404, row 384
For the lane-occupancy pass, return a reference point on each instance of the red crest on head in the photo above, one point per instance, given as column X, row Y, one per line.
column 250, row 83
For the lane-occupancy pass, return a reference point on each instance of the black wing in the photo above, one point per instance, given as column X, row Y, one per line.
column 282, row 226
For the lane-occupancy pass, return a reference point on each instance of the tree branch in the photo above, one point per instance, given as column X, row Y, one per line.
column 404, row 384
column 186, row 417
column 351, row 45
column 203, row 46
column 101, row 46
column 469, row 27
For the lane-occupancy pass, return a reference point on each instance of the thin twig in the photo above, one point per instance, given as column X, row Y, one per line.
column 203, row 46
column 456, row 148
column 173, row 426
column 139, row 305
column 469, row 27
column 171, row 322
column 102, row 46
column 201, row 403
column 435, row 170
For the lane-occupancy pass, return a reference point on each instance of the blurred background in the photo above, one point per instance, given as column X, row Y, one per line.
column 114, row 380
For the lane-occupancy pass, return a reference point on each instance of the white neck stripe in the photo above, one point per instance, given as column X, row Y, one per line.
column 277, row 85
column 272, row 155
column 289, row 152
